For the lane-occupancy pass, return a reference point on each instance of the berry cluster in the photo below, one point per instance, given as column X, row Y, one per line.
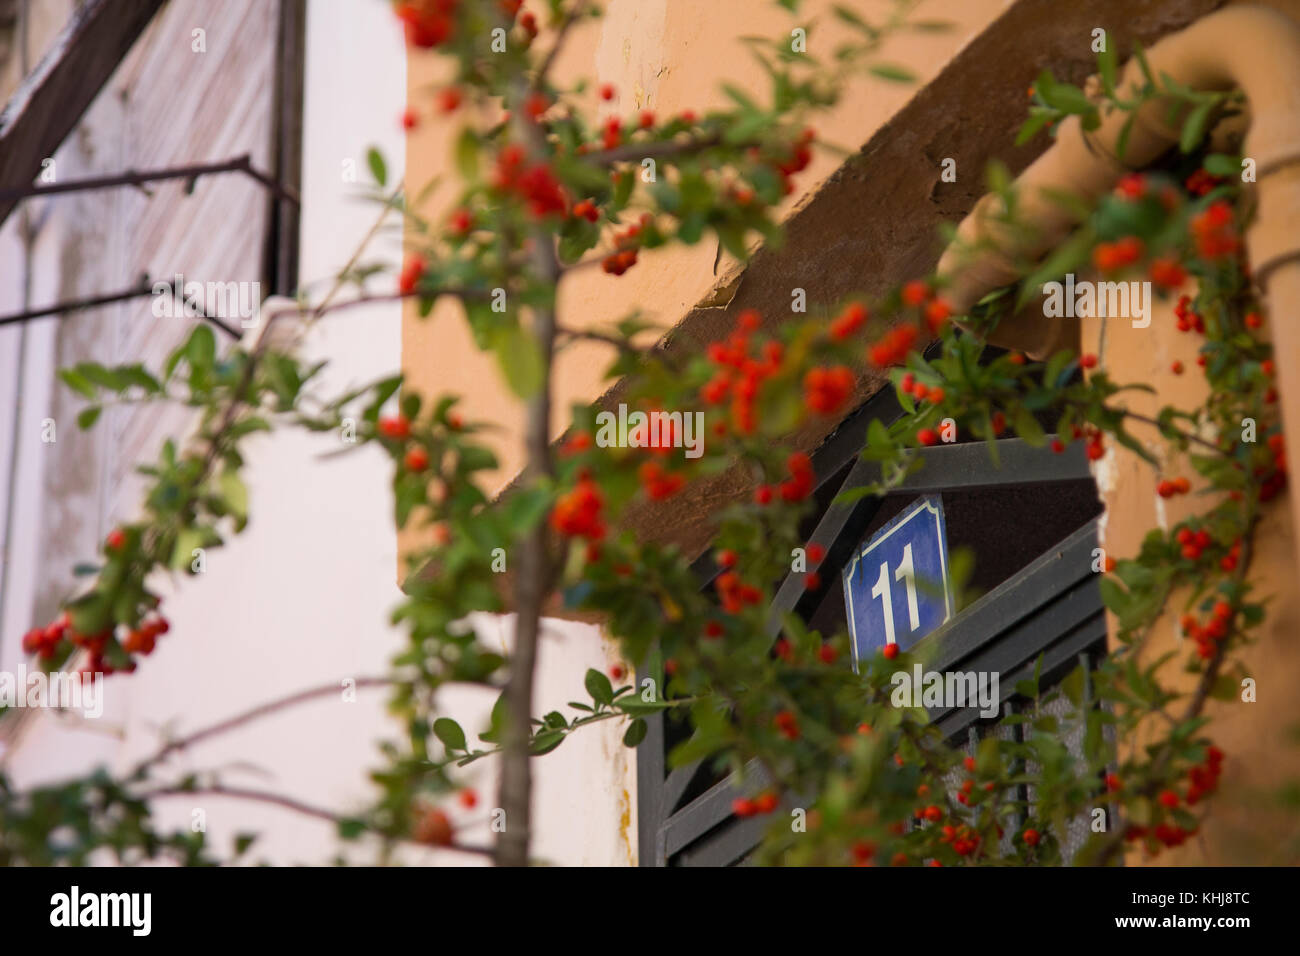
column 848, row 321
column 1215, row 232
column 428, row 23
column 626, row 248
column 48, row 642
column 535, row 184
column 1095, row 448
column 764, row 803
column 1170, row 487
column 825, row 390
column 739, row 375
column 735, row 594
column 1113, row 256
column 1216, row 629
column 908, row 385
column 813, row 581
column 658, row 482
column 579, row 512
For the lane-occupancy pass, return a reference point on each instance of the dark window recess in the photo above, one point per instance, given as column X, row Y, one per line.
column 1031, row 526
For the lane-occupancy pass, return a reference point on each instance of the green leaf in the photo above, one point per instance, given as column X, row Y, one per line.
column 350, row 829
column 467, row 153
column 1221, row 165
column 183, row 553
column 378, row 168
column 1037, row 119
column 895, row 74
column 1194, row 126
column 496, row 722
column 598, row 686
column 547, row 741
column 520, row 359
column 77, row 382
column 235, row 492
column 1106, row 65
column 201, row 348
column 1027, row 427
column 88, row 416
column 636, row 732
column 450, row 733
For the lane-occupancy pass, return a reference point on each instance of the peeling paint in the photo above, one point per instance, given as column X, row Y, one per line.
column 625, row 824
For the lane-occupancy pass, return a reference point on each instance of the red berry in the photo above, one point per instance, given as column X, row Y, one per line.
column 412, row 270
column 468, row 798
column 1058, row 446
column 617, row 672
column 115, row 540
column 827, row 653
column 1088, row 361
column 890, row 651
column 449, row 99
column 727, row 558
column 33, row 640
column 1168, row 799
column 915, row 292
column 607, row 91
column 433, row 829
column 969, row 764
column 1031, row 837
column 397, row 427
column 417, row 459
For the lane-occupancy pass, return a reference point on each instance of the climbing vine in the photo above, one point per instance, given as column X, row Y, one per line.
column 547, row 192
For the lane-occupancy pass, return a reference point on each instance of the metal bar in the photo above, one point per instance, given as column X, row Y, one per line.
column 282, row 233
column 969, row 466
column 240, row 164
column 678, row 781
column 837, row 532
column 145, row 287
column 1058, row 659
column 726, row 846
column 714, row 806
column 649, row 773
column 1038, row 584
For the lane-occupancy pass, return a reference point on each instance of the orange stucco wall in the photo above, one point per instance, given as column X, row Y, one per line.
column 665, row 55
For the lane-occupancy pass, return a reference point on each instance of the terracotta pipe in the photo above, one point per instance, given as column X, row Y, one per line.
column 1254, row 49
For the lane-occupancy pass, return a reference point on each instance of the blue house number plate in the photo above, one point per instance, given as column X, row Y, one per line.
column 896, row 589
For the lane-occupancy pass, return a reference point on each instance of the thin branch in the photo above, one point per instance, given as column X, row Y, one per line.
column 261, row 710
column 1170, row 429
column 240, row 164
column 1200, row 696
column 143, row 288
column 607, row 338
column 289, row 803
column 575, row 13
column 634, row 152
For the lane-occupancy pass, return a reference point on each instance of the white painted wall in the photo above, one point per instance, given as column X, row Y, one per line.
column 302, row 598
